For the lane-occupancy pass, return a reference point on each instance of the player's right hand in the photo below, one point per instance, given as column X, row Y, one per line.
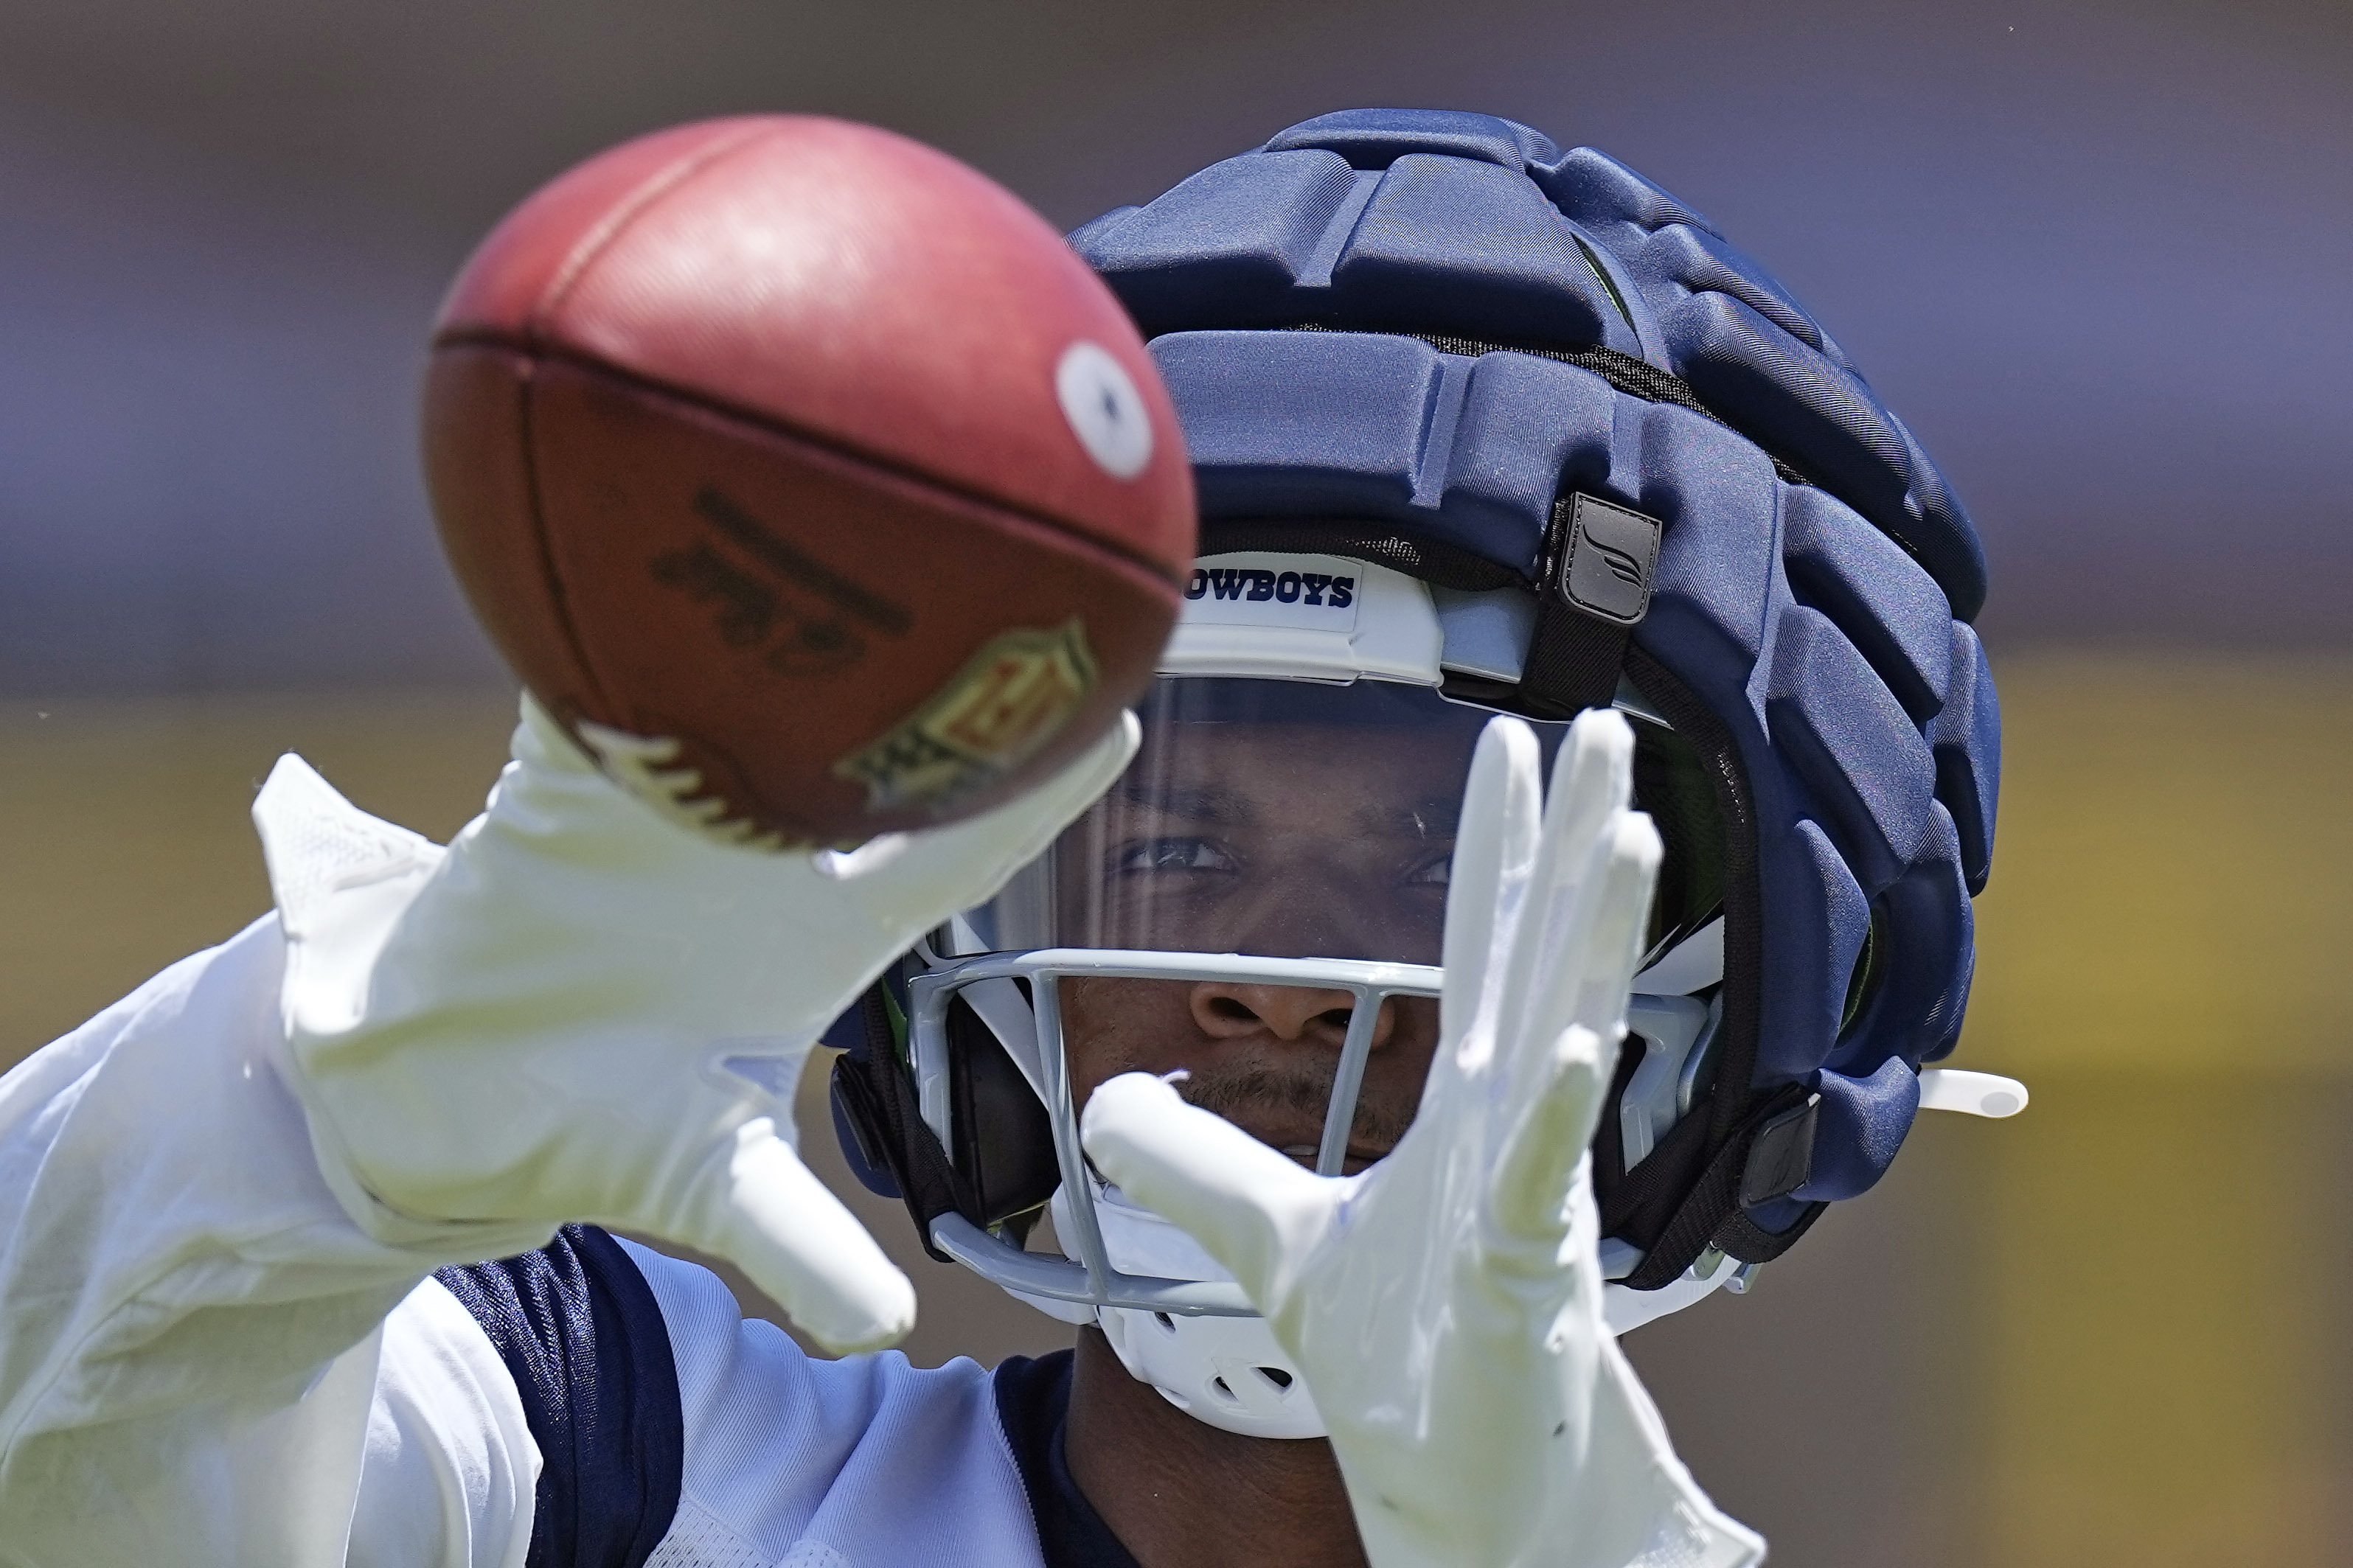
column 1445, row 1305
column 582, row 1012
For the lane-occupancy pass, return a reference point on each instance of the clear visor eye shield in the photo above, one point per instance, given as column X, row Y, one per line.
column 1257, row 904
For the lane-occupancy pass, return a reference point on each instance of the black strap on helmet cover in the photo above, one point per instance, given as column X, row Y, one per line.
column 1001, row 1169
column 1688, row 1193
column 1593, row 590
column 876, row 1095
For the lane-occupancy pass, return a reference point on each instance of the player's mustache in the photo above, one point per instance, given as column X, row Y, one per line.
column 1302, row 1088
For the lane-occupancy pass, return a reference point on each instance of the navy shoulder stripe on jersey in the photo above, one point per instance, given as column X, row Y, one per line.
column 1032, row 1399
column 585, row 1340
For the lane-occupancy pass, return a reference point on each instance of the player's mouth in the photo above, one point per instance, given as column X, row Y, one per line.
column 1301, row 1141
column 1282, row 1103
column 1357, row 1161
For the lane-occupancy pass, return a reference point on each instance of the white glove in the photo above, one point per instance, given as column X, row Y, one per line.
column 1445, row 1306
column 583, row 1012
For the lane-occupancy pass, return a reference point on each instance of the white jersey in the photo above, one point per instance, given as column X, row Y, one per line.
column 203, row 1360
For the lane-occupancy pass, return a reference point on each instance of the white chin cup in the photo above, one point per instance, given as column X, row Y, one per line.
column 1226, row 1371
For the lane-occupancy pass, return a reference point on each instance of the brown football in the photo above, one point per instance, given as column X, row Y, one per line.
column 806, row 476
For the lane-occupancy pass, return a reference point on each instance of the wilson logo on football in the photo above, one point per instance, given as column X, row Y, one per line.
column 996, row 712
column 800, row 629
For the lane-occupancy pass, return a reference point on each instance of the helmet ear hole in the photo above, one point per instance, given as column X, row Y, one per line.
column 1870, row 969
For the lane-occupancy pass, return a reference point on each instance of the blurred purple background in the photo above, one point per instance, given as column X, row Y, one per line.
column 2095, row 253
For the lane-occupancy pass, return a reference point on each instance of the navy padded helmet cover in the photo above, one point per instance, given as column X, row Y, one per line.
column 1824, row 624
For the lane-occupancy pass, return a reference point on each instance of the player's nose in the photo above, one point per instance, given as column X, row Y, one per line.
column 1226, row 1011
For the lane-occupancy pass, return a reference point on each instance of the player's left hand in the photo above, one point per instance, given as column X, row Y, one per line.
column 1446, row 1305
column 582, row 1011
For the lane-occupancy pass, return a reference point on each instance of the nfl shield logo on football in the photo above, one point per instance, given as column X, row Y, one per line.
column 1007, row 702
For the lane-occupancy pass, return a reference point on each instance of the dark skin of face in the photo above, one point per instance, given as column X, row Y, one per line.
column 1242, row 850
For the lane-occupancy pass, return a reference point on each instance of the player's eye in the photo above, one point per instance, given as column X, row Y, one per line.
column 1436, row 871
column 1171, row 854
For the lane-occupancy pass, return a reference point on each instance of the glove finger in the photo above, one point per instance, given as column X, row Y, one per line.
column 1527, row 1195
column 1598, row 929
column 1563, row 1082
column 918, row 879
column 1592, row 781
column 763, row 1211
column 1594, row 774
column 1620, row 916
column 1494, row 848
column 1249, row 1207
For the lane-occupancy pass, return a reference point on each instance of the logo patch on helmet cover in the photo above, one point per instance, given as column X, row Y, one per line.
column 1614, row 556
column 1007, row 702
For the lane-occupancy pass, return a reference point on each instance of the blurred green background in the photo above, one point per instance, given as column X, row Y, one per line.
column 2092, row 251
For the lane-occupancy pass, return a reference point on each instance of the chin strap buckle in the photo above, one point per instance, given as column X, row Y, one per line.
column 1781, row 1155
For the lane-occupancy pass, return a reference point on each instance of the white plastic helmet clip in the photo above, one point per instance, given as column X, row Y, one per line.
column 1972, row 1093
